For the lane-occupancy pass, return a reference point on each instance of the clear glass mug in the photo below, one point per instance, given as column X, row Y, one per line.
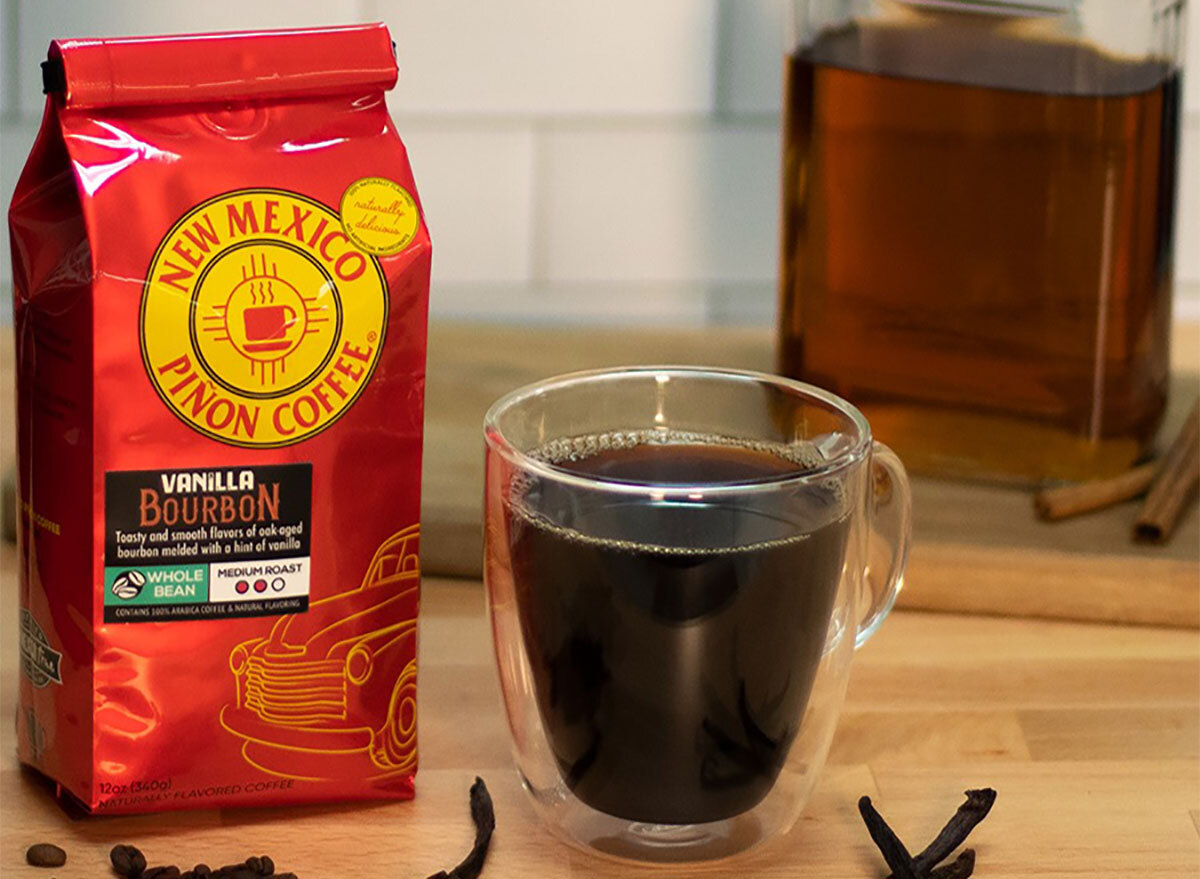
column 679, row 564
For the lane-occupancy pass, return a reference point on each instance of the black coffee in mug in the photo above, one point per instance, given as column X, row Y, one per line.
column 674, row 643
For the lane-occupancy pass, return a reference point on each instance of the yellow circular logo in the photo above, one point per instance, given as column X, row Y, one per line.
column 262, row 320
column 379, row 215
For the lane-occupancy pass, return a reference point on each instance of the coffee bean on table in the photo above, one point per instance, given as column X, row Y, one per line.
column 171, row 872
column 128, row 861
column 45, row 854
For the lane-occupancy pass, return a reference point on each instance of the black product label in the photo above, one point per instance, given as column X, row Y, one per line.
column 206, row 543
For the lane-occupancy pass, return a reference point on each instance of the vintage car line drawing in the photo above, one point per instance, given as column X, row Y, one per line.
column 324, row 695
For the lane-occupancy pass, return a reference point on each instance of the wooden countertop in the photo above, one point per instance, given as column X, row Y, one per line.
column 1089, row 732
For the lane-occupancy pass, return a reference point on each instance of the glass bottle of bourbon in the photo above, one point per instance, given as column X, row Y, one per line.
column 978, row 207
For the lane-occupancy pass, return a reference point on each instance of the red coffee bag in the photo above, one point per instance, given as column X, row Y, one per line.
column 221, row 275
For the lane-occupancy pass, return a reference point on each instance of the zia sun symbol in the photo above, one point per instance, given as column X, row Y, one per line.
column 266, row 319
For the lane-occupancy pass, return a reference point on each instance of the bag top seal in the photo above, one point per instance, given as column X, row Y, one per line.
column 223, row 67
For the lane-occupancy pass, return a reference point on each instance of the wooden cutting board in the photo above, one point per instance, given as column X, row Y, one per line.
column 977, row 548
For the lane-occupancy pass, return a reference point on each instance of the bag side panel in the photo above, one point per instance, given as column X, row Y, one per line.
column 52, row 287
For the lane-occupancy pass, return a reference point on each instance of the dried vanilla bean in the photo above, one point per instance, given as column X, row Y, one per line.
column 925, row 865
column 962, row 867
column 958, row 828
column 889, row 845
column 484, row 816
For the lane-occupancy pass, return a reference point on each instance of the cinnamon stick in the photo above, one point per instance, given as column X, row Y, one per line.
column 1053, row 504
column 1177, row 480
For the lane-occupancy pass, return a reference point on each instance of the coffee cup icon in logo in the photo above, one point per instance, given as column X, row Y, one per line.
column 266, row 317
column 267, row 326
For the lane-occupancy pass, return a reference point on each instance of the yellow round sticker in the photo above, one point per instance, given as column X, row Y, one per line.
column 379, row 215
column 261, row 320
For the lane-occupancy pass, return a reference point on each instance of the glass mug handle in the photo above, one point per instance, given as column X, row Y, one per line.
column 890, row 508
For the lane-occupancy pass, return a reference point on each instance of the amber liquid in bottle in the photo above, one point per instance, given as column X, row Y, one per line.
column 977, row 245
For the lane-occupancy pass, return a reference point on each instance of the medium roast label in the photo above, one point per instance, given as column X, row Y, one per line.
column 206, row 543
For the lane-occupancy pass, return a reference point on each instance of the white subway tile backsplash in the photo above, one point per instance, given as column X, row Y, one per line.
column 1187, row 232
column 16, row 137
column 8, row 60
column 1191, row 79
column 476, row 186
column 752, row 66
column 1187, row 303
column 685, row 202
column 742, row 305
column 639, row 304
column 607, row 163
column 43, row 20
column 566, row 57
